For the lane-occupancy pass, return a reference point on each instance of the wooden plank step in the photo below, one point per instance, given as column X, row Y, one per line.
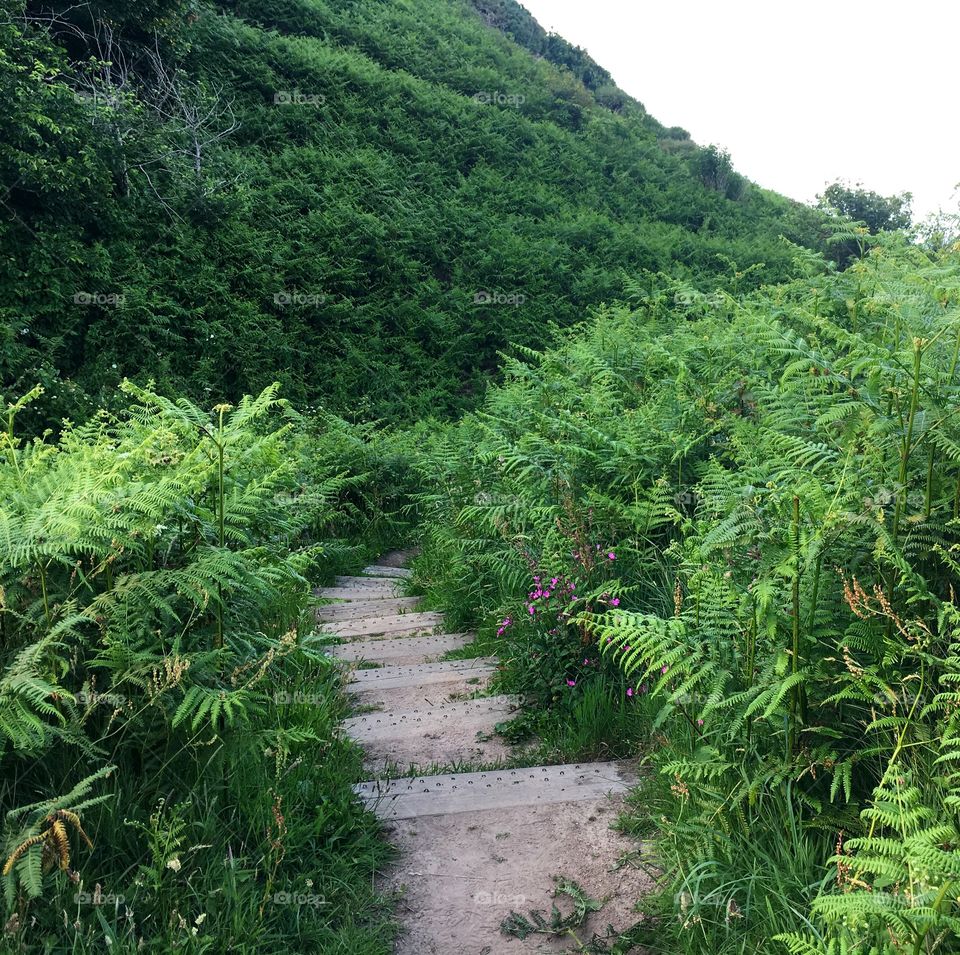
column 382, row 570
column 406, row 798
column 422, row 674
column 430, row 720
column 374, row 607
column 391, row 584
column 355, row 593
column 391, row 623
column 400, row 650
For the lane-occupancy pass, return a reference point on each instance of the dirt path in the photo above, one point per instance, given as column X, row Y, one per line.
column 474, row 846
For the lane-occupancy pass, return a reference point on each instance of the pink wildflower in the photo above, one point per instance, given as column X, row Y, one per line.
column 571, row 682
column 615, row 602
column 629, row 691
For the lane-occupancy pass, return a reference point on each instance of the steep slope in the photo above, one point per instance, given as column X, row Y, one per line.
column 362, row 200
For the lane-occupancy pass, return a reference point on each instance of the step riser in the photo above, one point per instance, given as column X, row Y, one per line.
column 369, row 583
column 416, row 677
column 395, row 623
column 382, row 570
column 356, row 593
column 486, row 711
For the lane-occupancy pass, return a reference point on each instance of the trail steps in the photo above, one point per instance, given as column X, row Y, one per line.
column 473, row 844
column 402, row 649
column 496, row 789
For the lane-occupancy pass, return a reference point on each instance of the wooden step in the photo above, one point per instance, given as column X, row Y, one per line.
column 403, row 649
column 405, row 798
column 391, row 623
column 355, row 593
column 391, row 584
column 420, row 675
column 429, row 719
column 382, row 570
column 376, row 607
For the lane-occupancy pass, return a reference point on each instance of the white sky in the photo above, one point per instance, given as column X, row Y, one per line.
column 801, row 94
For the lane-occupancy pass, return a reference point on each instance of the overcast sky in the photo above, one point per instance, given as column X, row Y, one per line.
column 801, row 94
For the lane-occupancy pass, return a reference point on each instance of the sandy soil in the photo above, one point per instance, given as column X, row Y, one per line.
column 460, row 875
column 398, row 558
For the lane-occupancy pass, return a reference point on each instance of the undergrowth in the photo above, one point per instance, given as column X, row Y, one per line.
column 721, row 533
column 162, row 787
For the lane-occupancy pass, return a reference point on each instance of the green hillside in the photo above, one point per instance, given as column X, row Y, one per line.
column 362, row 200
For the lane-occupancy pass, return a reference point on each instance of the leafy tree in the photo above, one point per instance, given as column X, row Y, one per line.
column 878, row 213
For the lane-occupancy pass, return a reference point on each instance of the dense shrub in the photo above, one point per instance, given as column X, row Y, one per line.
column 217, row 196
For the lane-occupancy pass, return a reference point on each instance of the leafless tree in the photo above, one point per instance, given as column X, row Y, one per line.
column 202, row 114
column 118, row 81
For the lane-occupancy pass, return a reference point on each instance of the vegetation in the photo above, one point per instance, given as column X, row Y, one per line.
column 156, row 570
column 735, row 520
column 878, row 213
column 684, row 453
column 361, row 200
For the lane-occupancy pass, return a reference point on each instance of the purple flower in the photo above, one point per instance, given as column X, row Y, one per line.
column 629, row 691
column 615, row 602
column 571, row 682
column 664, row 669
column 611, row 556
